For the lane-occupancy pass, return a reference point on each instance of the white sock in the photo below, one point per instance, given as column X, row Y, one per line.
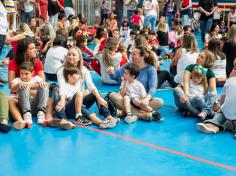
column 78, row 114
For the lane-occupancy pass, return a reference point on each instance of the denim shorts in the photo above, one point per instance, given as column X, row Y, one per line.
column 70, row 109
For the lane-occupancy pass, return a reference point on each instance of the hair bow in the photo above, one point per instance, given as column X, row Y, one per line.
column 198, row 67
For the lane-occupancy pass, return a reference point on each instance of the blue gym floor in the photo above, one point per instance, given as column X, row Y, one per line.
column 171, row 148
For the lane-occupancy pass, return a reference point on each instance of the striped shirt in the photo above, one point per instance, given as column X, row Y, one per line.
column 10, row 6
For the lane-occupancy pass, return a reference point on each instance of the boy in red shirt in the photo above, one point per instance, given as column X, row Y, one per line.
column 136, row 18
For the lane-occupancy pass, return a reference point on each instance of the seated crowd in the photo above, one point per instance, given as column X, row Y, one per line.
column 65, row 53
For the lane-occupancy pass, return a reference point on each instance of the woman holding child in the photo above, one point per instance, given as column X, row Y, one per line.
column 26, row 52
column 200, row 106
column 145, row 60
column 74, row 100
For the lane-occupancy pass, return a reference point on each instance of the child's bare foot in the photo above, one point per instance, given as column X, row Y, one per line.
column 202, row 115
column 19, row 125
column 53, row 122
column 66, row 125
column 146, row 107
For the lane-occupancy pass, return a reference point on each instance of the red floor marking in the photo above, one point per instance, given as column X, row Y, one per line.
column 161, row 148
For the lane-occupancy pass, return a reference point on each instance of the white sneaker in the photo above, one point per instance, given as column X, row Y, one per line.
column 203, row 128
column 4, row 122
column 131, row 119
column 28, row 118
column 41, row 117
column 109, row 123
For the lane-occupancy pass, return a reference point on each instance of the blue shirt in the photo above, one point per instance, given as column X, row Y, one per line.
column 147, row 76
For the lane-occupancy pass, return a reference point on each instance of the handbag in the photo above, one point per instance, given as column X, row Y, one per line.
column 112, row 108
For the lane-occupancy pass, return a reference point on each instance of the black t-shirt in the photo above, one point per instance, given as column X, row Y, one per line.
column 208, row 6
column 229, row 50
column 162, row 38
column 53, row 7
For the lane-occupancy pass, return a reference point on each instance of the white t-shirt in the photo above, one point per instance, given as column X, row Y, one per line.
column 185, row 59
column 150, row 7
column 71, row 90
column 35, row 79
column 195, row 89
column 87, row 83
column 219, row 68
column 135, row 89
column 3, row 20
column 228, row 108
column 54, row 59
column 115, row 61
column 28, row 6
column 128, row 41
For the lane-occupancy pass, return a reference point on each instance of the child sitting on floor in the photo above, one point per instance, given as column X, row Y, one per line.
column 225, row 118
column 74, row 98
column 198, row 87
column 32, row 94
column 133, row 91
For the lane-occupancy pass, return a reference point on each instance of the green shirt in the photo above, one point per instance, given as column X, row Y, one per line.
column 210, row 74
column 68, row 3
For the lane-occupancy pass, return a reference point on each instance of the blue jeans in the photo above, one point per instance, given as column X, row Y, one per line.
column 204, row 104
column 140, row 4
column 2, row 42
column 129, row 14
column 218, row 120
column 119, row 14
column 170, row 18
column 150, row 20
column 195, row 105
column 205, row 26
column 185, row 20
column 26, row 17
column 69, row 110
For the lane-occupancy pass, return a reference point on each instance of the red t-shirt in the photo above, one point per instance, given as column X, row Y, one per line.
column 136, row 19
column 38, row 66
column 61, row 2
column 103, row 44
column 123, row 61
column 88, row 51
column 84, row 28
column 185, row 3
column 155, row 42
column 92, row 31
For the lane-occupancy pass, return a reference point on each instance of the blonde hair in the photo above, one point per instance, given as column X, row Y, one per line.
column 162, row 26
column 80, row 63
column 198, row 73
column 111, row 46
column 190, row 42
column 140, row 40
column 209, row 60
column 232, row 34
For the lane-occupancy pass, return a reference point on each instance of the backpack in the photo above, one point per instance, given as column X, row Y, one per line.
column 112, row 108
column 54, row 91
